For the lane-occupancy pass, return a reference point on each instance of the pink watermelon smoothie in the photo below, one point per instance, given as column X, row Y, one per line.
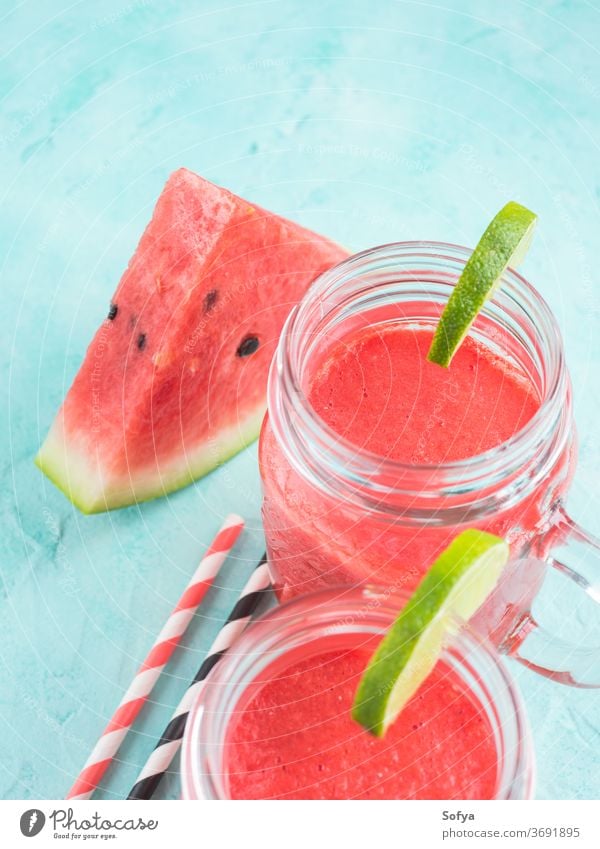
column 294, row 738
column 379, row 391
column 375, row 388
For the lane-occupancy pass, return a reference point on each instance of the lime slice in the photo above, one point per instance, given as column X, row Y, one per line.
column 504, row 243
column 453, row 589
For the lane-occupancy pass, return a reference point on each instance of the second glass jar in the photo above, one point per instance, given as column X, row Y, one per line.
column 335, row 514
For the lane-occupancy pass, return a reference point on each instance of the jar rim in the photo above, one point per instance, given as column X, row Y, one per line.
column 469, row 474
column 271, row 637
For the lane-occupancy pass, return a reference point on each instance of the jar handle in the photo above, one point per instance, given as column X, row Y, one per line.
column 551, row 644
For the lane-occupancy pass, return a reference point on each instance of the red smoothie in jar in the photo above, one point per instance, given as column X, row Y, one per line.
column 373, row 459
column 292, row 737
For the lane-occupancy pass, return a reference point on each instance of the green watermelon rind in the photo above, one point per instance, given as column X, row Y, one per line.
column 74, row 478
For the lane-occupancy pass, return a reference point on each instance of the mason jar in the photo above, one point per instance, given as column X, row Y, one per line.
column 336, row 514
column 339, row 620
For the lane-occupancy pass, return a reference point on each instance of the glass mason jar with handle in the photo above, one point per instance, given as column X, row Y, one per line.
column 336, row 514
column 273, row 719
column 465, row 737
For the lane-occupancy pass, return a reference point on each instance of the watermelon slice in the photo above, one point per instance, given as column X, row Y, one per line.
column 174, row 382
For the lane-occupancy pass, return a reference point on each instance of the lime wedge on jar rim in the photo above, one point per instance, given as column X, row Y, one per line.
column 453, row 589
column 504, row 243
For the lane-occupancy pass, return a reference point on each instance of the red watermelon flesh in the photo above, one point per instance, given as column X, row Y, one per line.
column 174, row 381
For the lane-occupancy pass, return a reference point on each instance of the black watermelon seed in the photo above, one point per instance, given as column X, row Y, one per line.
column 141, row 341
column 112, row 312
column 247, row 346
column 210, row 299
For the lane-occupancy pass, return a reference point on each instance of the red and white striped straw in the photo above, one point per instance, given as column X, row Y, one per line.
column 167, row 747
column 149, row 672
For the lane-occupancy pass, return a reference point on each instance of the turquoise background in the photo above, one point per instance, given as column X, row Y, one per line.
column 370, row 121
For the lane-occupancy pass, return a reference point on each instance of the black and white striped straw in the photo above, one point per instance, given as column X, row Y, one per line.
column 167, row 747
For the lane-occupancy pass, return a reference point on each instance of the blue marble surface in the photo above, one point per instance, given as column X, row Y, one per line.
column 370, row 121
